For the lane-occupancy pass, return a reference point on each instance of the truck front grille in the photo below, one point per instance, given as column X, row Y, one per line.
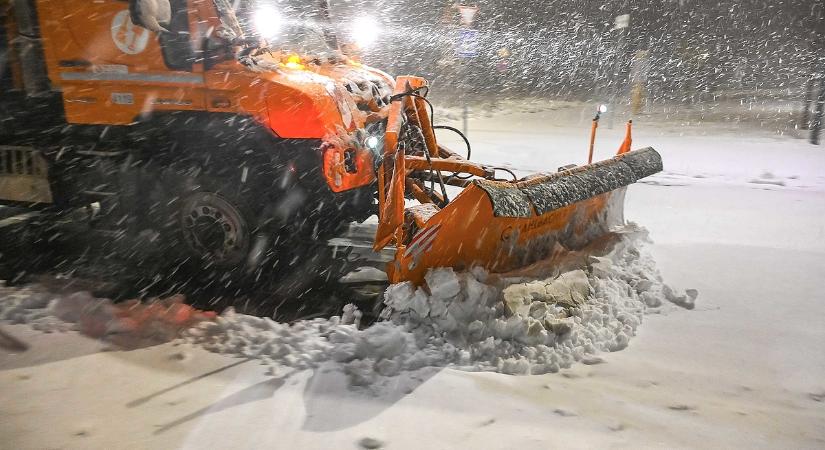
column 21, row 161
column 24, row 175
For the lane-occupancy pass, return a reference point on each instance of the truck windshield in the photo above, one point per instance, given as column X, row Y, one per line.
column 288, row 25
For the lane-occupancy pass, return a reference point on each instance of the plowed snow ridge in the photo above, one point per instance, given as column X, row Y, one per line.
column 460, row 321
column 465, row 320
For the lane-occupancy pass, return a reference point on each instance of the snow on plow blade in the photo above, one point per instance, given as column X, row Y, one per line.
column 503, row 226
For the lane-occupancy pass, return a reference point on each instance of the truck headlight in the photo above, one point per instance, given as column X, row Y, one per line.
column 268, row 22
column 364, row 31
column 372, row 142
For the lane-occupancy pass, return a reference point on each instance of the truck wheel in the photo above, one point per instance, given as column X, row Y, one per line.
column 220, row 235
column 215, row 229
column 207, row 220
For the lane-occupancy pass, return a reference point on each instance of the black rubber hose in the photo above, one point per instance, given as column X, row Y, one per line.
column 457, row 131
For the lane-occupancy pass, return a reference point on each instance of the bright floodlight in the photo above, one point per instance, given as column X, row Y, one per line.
column 268, row 22
column 364, row 31
column 602, row 108
column 372, row 142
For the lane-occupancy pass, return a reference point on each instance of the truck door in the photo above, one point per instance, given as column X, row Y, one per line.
column 112, row 71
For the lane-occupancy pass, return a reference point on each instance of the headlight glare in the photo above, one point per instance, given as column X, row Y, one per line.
column 372, row 142
column 268, row 22
column 365, row 31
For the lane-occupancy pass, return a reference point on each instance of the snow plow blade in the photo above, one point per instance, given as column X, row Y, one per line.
column 494, row 224
column 503, row 226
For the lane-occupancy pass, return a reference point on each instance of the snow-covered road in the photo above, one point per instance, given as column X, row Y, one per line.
column 746, row 368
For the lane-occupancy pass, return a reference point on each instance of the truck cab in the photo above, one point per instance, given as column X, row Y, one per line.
column 211, row 120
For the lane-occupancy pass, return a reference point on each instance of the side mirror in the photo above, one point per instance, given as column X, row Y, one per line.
column 154, row 15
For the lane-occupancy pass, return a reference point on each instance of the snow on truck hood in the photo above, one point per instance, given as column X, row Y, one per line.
column 351, row 87
column 362, row 82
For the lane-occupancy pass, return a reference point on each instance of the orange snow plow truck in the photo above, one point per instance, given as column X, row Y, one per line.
column 225, row 124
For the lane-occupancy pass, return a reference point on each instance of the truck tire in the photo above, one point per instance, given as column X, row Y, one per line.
column 216, row 228
column 205, row 219
column 222, row 246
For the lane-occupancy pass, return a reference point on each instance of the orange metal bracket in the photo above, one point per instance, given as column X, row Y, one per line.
column 628, row 139
column 451, row 165
column 592, row 138
column 392, row 173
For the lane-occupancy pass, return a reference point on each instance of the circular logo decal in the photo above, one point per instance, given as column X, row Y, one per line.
column 128, row 37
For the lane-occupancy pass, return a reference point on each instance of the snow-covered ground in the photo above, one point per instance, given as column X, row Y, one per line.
column 544, row 135
column 737, row 215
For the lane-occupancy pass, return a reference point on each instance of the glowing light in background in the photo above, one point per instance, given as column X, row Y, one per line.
column 268, row 22
column 372, row 142
column 364, row 31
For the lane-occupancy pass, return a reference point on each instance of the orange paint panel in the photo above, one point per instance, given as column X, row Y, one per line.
column 99, row 33
column 111, row 104
column 296, row 104
column 292, row 114
column 94, row 44
column 110, row 70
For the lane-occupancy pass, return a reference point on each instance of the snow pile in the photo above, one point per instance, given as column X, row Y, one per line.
column 130, row 324
column 535, row 326
column 512, row 323
column 468, row 320
column 32, row 306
